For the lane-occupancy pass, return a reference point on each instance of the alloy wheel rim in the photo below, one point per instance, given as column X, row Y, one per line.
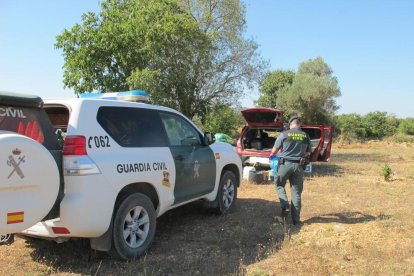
column 228, row 193
column 136, row 227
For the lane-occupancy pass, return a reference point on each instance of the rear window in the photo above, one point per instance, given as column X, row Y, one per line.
column 58, row 116
column 30, row 122
column 263, row 117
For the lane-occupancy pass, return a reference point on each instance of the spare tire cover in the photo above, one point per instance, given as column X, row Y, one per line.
column 29, row 182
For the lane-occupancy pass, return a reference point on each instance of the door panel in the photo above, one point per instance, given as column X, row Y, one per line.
column 195, row 171
column 326, row 150
column 194, row 162
column 321, row 139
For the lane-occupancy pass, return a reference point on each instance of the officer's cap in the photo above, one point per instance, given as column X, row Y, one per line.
column 294, row 117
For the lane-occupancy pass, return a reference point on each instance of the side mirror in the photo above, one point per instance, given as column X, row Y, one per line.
column 209, row 138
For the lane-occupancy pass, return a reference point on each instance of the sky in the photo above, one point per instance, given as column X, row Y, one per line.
column 368, row 44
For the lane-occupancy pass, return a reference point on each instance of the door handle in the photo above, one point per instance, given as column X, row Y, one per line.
column 179, row 157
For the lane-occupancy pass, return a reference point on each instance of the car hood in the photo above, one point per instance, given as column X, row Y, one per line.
column 263, row 117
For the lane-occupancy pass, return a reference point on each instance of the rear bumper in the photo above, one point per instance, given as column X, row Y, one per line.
column 85, row 210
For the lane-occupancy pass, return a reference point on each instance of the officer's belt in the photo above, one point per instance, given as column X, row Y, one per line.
column 292, row 161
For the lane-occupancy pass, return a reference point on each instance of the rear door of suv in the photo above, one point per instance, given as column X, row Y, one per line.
column 321, row 139
column 31, row 176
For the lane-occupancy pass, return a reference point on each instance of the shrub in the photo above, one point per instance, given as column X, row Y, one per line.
column 406, row 126
column 387, row 172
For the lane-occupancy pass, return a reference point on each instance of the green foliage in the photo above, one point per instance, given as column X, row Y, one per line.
column 374, row 125
column 187, row 55
column 271, row 84
column 312, row 93
column 379, row 125
column 234, row 61
column 406, row 126
column 386, row 172
column 392, row 123
column 136, row 44
column 402, row 138
column 60, row 136
column 223, row 119
column 351, row 127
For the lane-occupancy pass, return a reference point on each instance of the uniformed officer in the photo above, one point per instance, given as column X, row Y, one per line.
column 295, row 146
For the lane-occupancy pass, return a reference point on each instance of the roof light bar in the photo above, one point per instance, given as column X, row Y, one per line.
column 129, row 96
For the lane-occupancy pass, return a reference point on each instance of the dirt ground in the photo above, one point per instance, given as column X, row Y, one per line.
column 355, row 222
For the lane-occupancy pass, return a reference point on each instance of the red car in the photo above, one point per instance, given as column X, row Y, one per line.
column 264, row 125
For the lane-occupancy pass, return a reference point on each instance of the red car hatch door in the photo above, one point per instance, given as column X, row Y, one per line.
column 326, row 150
column 321, row 139
column 263, row 117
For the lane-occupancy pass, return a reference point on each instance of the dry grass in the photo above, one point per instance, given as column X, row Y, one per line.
column 355, row 223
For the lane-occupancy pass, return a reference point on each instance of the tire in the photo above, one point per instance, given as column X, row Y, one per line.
column 227, row 193
column 6, row 239
column 133, row 228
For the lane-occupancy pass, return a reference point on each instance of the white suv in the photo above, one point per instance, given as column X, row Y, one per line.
column 121, row 166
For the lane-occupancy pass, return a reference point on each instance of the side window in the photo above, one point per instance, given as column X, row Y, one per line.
column 179, row 131
column 133, row 127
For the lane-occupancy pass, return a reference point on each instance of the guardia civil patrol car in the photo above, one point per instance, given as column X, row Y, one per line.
column 104, row 168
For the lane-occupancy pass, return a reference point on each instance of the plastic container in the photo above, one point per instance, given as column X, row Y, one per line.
column 274, row 160
column 246, row 171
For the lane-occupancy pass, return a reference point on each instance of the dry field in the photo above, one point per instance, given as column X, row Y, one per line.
column 355, row 223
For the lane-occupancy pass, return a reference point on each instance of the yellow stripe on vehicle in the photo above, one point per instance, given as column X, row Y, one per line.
column 13, row 188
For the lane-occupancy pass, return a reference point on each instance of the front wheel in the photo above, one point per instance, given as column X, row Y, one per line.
column 227, row 192
column 134, row 227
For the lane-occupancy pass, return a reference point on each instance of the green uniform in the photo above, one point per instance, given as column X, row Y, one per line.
column 293, row 143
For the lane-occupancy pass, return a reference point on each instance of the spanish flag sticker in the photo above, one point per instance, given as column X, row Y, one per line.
column 217, row 155
column 15, row 217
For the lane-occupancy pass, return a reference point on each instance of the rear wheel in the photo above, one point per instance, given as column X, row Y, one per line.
column 227, row 192
column 134, row 227
column 6, row 239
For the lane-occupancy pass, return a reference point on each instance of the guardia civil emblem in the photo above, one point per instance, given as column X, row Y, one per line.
column 14, row 161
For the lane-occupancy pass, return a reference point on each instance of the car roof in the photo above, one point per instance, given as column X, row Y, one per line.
column 22, row 100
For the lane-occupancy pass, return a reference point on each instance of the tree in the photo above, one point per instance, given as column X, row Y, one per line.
column 312, row 93
column 158, row 46
column 270, row 86
column 223, row 119
column 376, row 124
column 350, row 127
column 406, row 126
column 235, row 62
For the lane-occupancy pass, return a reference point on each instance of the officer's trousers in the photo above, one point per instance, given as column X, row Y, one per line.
column 294, row 173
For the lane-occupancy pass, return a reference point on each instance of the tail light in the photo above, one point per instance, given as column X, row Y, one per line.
column 74, row 145
column 75, row 158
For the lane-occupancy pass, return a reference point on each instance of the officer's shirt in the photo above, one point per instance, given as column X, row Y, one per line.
column 294, row 143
